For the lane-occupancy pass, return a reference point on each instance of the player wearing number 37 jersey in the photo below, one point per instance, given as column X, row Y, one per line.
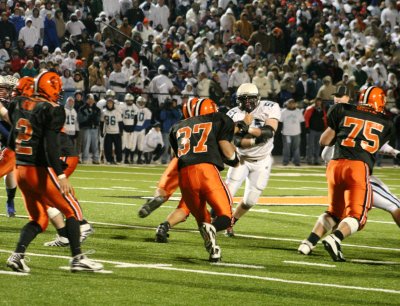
column 357, row 131
column 202, row 144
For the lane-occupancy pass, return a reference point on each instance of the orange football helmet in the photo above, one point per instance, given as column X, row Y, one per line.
column 373, row 97
column 204, row 107
column 49, row 86
column 187, row 107
column 197, row 107
column 25, row 86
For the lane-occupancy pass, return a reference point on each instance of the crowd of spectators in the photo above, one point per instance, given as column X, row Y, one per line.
column 166, row 51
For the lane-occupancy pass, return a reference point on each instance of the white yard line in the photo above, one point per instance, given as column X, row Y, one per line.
column 225, row 264
column 374, row 262
column 305, row 263
column 13, row 273
column 237, row 275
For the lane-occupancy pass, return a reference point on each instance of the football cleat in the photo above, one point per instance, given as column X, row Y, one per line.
column 86, row 231
column 81, row 263
column 60, row 241
column 215, row 254
column 162, row 233
column 332, row 245
column 150, row 206
column 230, row 232
column 306, row 247
column 16, row 261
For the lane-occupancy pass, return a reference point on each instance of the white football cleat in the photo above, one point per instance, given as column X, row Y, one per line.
column 60, row 241
column 82, row 263
column 332, row 245
column 86, row 231
column 306, row 247
column 16, row 261
column 208, row 232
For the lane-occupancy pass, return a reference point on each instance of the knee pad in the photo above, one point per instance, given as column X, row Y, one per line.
column 52, row 212
column 327, row 221
column 352, row 223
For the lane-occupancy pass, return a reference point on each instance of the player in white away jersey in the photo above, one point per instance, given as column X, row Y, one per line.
column 255, row 144
column 143, row 122
column 129, row 113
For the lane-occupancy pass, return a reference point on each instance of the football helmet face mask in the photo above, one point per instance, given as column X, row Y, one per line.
column 25, row 86
column 141, row 102
column 129, row 99
column 49, row 86
column 373, row 97
column 248, row 97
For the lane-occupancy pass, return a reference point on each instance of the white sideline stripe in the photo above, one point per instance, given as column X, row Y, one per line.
column 279, row 280
column 13, row 273
column 264, row 278
column 377, row 262
column 225, row 264
column 308, row 263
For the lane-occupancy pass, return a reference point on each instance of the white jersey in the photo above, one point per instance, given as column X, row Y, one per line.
column 111, row 119
column 71, row 125
column 128, row 113
column 265, row 110
column 143, row 119
column 151, row 140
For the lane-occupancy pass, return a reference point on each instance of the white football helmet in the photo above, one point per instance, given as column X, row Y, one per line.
column 248, row 97
column 141, row 102
column 110, row 93
column 129, row 99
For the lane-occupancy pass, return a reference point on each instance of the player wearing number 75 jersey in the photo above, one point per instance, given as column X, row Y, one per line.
column 357, row 131
column 202, row 144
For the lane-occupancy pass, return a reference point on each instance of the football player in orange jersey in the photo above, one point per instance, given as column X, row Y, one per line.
column 358, row 132
column 36, row 123
column 202, row 144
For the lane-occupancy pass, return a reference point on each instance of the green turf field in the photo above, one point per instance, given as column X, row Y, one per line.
column 260, row 265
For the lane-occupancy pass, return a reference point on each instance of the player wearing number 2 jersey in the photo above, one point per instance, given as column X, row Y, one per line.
column 357, row 133
column 35, row 127
column 202, row 144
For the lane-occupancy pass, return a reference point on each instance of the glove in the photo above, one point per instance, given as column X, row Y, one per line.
column 244, row 128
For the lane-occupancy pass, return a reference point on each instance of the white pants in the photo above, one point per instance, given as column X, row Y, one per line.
column 382, row 197
column 256, row 174
column 138, row 140
column 127, row 140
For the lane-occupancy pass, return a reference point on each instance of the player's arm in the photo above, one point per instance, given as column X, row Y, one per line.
column 256, row 136
column 229, row 152
column 4, row 113
column 387, row 149
column 55, row 122
column 328, row 137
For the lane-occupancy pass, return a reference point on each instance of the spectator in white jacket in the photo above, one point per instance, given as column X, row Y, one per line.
column 160, row 15
column 153, row 144
column 260, row 80
column 238, row 77
column 29, row 34
column 203, row 86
